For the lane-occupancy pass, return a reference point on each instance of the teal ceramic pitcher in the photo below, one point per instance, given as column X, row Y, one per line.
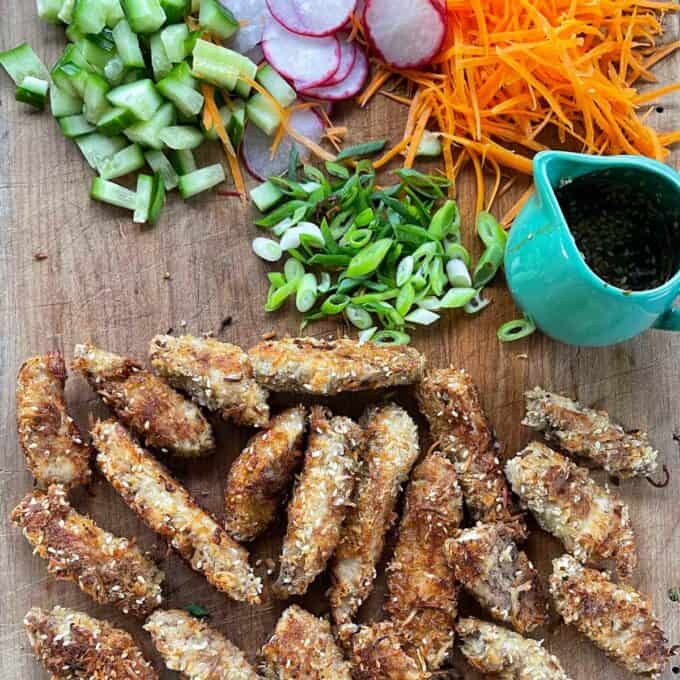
column 549, row 278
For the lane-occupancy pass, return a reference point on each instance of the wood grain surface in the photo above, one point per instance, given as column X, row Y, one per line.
column 106, row 280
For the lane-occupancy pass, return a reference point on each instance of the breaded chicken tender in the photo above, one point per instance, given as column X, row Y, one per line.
column 74, row 646
column 169, row 509
column 376, row 654
column 507, row 655
column 320, row 501
column 390, row 450
column 450, row 401
column 617, row 618
column 486, row 561
column 260, row 477
column 50, row 439
column 196, row 650
column 328, row 367
column 590, row 434
column 109, row 569
column 592, row 523
column 215, row 374
column 303, row 648
column 422, row 598
column 143, row 402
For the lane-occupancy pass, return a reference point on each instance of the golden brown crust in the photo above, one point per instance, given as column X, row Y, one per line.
column 422, row 595
column 486, row 561
column 161, row 417
column 590, row 434
column 507, row 655
column 450, row 401
column 390, row 450
column 51, row 441
column 376, row 654
column 170, row 510
column 592, row 522
column 109, row 569
column 333, row 366
column 74, row 646
column 617, row 618
column 260, row 477
column 195, row 649
column 303, row 647
column 216, row 375
column 320, row 501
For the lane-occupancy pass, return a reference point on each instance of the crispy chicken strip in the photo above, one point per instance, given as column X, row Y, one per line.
column 617, row 618
column 590, row 434
column 170, row 510
column 303, row 648
column 216, row 375
column 74, row 646
column 593, row 523
column 260, row 477
column 422, row 595
column 333, row 366
column 450, row 401
column 109, row 569
column 376, row 654
column 509, row 656
column 144, row 403
column 486, row 561
column 195, row 649
column 390, row 450
column 51, row 441
column 320, row 501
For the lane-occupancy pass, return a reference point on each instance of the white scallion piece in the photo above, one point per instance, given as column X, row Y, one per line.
column 422, row 317
column 366, row 335
column 458, row 274
column 267, row 249
column 291, row 239
column 404, row 270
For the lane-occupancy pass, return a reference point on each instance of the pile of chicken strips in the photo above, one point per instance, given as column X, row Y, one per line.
column 339, row 483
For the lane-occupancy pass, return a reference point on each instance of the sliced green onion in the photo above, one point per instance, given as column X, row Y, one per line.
column 488, row 265
column 432, row 303
column 358, row 317
column 405, row 299
column 438, row 278
column 404, row 270
column 369, row 259
column 457, row 297
column 359, row 150
column 390, row 337
column 516, row 330
column 367, row 334
column 307, row 293
column 490, row 231
column 324, row 282
column 476, row 304
column 422, row 317
column 359, row 238
column 277, row 296
column 335, row 304
column 292, row 238
column 458, row 274
column 445, row 221
column 293, row 270
column 456, row 251
column 364, row 218
column 337, row 170
column 267, row 249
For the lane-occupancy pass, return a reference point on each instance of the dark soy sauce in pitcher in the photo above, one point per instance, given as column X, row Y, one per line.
column 626, row 230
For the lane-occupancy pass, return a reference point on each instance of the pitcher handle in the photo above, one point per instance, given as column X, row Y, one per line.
column 670, row 321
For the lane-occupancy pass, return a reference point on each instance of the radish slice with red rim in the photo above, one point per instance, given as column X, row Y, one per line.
column 349, row 87
column 309, row 17
column 405, row 33
column 308, row 61
column 252, row 15
column 348, row 57
column 257, row 146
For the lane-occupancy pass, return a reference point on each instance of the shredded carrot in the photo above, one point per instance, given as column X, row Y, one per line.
column 417, row 137
column 497, row 184
column 379, row 79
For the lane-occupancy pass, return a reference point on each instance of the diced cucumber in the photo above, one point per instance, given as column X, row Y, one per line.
column 140, row 97
column 266, row 196
column 98, row 148
column 89, row 16
column 175, row 10
column 160, row 62
column 114, row 12
column 64, row 104
column 215, row 64
column 147, row 133
column 71, row 79
column 159, row 163
column 144, row 194
column 33, row 91
column 123, row 162
column 127, row 44
column 247, row 68
column 133, row 75
column 225, row 116
column 276, row 86
column 180, row 137
column 217, row 19
column 114, row 71
column 144, row 16
column 263, row 113
column 113, row 194
column 201, row 180
column 236, row 126
column 22, row 61
column 95, row 103
column 157, row 199
column 74, row 34
column 188, row 101
column 48, row 10
column 74, row 126
column 95, row 54
column 114, row 121
column 73, row 54
column 66, row 11
column 430, row 145
column 174, row 40
column 183, row 161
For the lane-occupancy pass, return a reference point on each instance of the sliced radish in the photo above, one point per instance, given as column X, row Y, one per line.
column 349, row 87
column 252, row 15
column 348, row 57
column 257, row 146
column 308, row 17
column 309, row 61
column 405, row 33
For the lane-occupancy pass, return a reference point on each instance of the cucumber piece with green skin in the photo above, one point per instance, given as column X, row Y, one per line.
column 48, row 10
column 133, row 75
column 225, row 116
column 183, row 161
column 89, row 15
column 71, row 78
column 201, row 180
column 75, row 126
column 66, row 11
column 97, row 54
column 144, row 195
column 95, row 103
column 127, row 45
column 160, row 63
column 266, row 196
column 147, row 133
column 114, row 71
column 21, row 62
column 157, row 199
column 175, row 10
column 33, row 91
column 97, row 148
column 140, row 97
column 237, row 125
column 159, row 163
column 123, row 162
column 213, row 17
column 188, row 101
column 263, row 113
column 180, row 137
column 113, row 194
column 114, row 121
column 277, row 87
column 74, row 34
column 174, row 39
column 217, row 65
column 63, row 103
column 114, row 12
column 144, row 16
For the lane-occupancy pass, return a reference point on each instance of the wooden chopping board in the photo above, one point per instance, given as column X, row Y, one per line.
column 107, row 280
